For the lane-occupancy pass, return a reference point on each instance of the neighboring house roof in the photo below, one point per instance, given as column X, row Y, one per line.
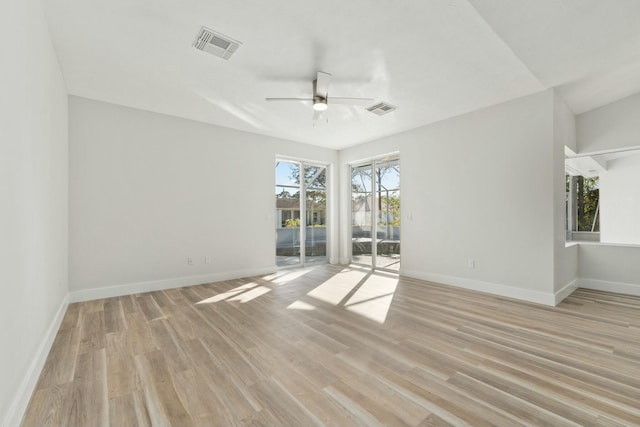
column 295, row 204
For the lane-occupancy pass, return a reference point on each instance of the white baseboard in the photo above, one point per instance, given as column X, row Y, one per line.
column 23, row 394
column 157, row 285
column 605, row 285
column 565, row 291
column 345, row 261
column 488, row 287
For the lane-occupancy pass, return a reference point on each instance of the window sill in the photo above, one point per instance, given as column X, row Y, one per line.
column 624, row 245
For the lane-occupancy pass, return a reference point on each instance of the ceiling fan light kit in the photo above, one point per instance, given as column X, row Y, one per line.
column 320, row 104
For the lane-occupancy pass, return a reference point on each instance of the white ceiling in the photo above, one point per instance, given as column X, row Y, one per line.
column 433, row 59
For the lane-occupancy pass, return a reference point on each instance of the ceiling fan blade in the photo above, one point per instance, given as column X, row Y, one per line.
column 289, row 99
column 350, row 101
column 322, row 84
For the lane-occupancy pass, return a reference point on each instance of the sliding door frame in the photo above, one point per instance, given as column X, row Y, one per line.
column 373, row 162
column 303, row 210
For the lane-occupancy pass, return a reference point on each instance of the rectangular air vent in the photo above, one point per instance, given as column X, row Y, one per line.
column 382, row 108
column 216, row 43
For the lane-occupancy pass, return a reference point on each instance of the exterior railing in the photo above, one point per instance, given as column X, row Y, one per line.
column 288, row 240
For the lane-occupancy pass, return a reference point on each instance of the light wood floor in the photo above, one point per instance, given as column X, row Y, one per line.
column 336, row 346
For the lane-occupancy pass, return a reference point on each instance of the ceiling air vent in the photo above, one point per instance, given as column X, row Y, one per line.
column 382, row 108
column 216, row 43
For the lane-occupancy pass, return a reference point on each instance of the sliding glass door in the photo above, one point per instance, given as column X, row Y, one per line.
column 315, row 189
column 387, row 179
column 301, row 213
column 288, row 214
column 375, row 214
column 361, row 215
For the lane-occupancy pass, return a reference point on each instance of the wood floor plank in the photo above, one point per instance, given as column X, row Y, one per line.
column 138, row 334
column 384, row 396
column 149, row 307
column 60, row 365
column 311, row 397
column 236, row 397
column 127, row 303
column 49, row 406
column 122, row 378
column 522, row 409
column 434, row 421
column 70, row 319
column 128, row 411
column 92, row 331
column 114, row 319
column 89, row 399
column 284, row 407
column 161, row 299
column 155, row 372
column 363, row 407
column 196, row 392
column 289, row 349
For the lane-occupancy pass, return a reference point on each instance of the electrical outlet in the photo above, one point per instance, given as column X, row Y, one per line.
column 207, row 260
column 471, row 263
column 190, row 261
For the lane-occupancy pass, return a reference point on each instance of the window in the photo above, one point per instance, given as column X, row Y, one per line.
column 583, row 207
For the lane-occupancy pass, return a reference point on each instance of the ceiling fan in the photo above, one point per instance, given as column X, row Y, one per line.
column 321, row 99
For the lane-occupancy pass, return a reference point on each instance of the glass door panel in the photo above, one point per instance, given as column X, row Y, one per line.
column 316, row 214
column 388, row 214
column 288, row 223
column 361, row 215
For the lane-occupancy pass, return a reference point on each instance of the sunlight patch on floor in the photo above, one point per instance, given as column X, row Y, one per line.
column 375, row 286
column 334, row 290
column 251, row 294
column 288, row 276
column 275, row 275
column 228, row 294
column 373, row 298
column 300, row 305
column 375, row 309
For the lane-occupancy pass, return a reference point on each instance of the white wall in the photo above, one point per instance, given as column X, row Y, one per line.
column 612, row 126
column 613, row 268
column 147, row 191
column 476, row 186
column 620, row 199
column 33, row 201
column 565, row 257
